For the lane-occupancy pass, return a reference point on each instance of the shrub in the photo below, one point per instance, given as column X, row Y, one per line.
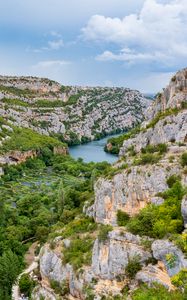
column 184, row 159
column 60, row 288
column 148, row 158
column 103, row 232
column 180, row 279
column 157, row 292
column 161, row 148
column 157, row 221
column 79, row 252
column 172, row 180
column 26, row 285
column 122, row 218
column 133, row 267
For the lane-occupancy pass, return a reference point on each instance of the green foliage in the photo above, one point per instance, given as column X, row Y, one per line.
column 147, row 158
column 180, row 279
column 117, row 142
column 184, row 159
column 133, row 267
column 49, row 103
column 171, row 260
column 157, row 292
column 18, row 102
column 122, row 218
column 60, row 288
column 157, row 221
column 24, row 139
column 161, row 148
column 26, row 285
column 103, row 232
column 76, row 226
column 181, row 241
column 79, row 252
column 172, row 180
column 162, row 115
column 9, row 270
column 17, row 92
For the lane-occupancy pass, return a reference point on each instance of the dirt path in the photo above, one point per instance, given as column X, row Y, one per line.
column 32, row 263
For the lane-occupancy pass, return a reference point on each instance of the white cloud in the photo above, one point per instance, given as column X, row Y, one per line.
column 51, row 63
column 157, row 33
column 55, row 45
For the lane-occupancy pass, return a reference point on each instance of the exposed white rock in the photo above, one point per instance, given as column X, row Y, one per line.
column 171, row 128
column 112, row 256
column 172, row 257
column 155, row 273
column 130, row 191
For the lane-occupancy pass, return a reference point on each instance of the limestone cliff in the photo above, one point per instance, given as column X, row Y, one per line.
column 141, row 177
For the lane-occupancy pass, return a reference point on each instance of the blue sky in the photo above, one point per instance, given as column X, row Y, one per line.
column 132, row 43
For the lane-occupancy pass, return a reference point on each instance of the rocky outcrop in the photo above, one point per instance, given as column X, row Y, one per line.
column 61, row 150
column 184, row 210
column 172, row 257
column 51, row 266
column 170, row 129
column 155, row 273
column 17, row 157
column 130, row 191
column 172, row 96
column 112, row 256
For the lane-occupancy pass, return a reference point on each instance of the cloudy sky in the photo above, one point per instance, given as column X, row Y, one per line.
column 132, row 43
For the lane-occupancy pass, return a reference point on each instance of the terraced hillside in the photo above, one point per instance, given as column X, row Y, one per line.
column 73, row 114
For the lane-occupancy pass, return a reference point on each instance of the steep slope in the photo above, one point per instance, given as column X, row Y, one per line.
column 140, row 214
column 74, row 114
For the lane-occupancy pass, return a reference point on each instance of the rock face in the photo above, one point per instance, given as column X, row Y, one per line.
column 112, row 256
column 89, row 112
column 17, row 157
column 173, row 95
column 51, row 265
column 184, row 210
column 170, row 129
column 172, row 257
column 130, row 191
column 155, row 273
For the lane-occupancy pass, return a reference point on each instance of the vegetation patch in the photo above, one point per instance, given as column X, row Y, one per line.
column 103, row 232
column 79, row 252
column 122, row 218
column 158, row 221
column 133, row 267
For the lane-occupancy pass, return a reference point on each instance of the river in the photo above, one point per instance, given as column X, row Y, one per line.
column 93, row 151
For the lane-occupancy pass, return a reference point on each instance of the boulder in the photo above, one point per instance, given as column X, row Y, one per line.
column 172, row 257
column 155, row 273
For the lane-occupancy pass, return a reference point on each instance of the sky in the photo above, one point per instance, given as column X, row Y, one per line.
column 138, row 44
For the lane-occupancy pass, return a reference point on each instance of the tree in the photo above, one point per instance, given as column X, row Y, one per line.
column 9, row 270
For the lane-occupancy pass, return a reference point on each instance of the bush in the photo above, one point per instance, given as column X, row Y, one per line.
column 172, row 180
column 161, row 148
column 60, row 288
column 103, row 232
column 79, row 252
column 180, row 279
column 157, row 221
column 157, row 292
column 122, row 218
column 26, row 285
column 148, row 158
column 184, row 159
column 133, row 267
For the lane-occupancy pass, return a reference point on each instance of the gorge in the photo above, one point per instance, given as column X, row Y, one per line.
column 100, row 231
